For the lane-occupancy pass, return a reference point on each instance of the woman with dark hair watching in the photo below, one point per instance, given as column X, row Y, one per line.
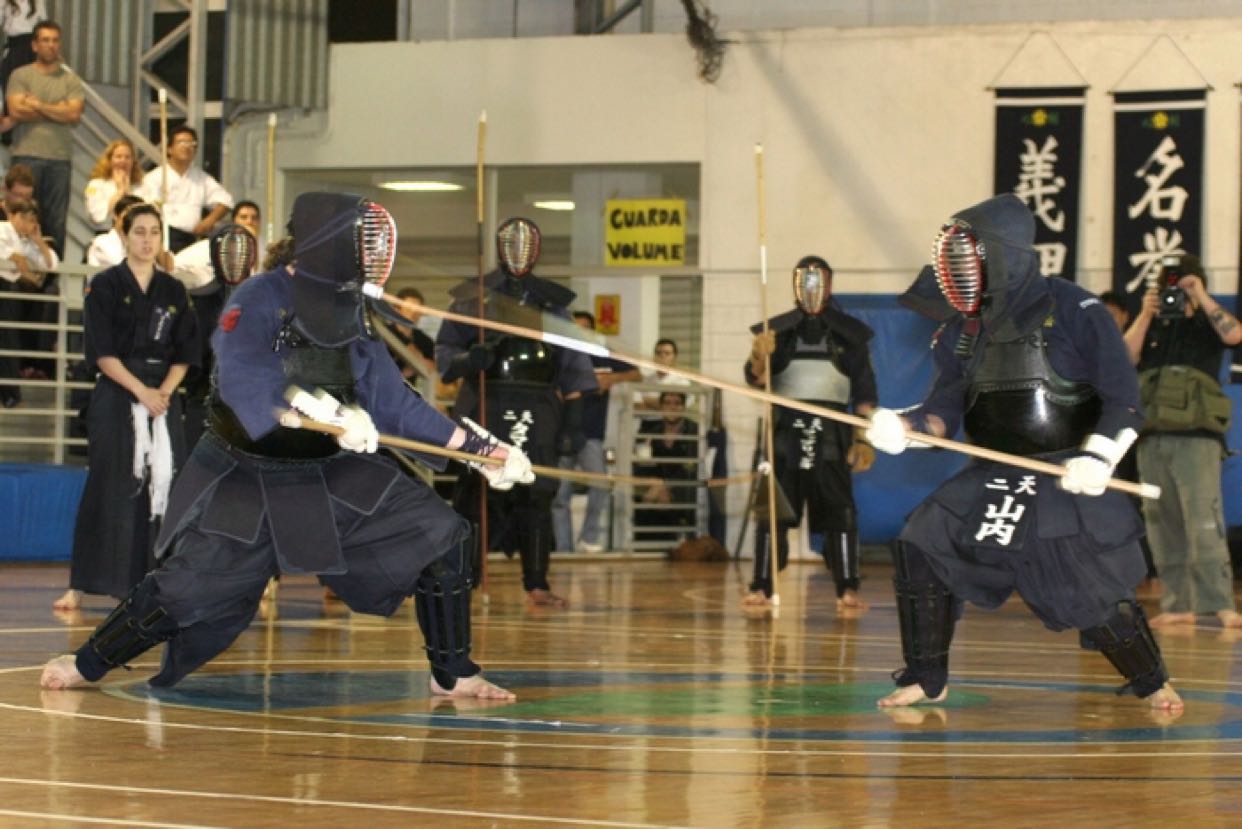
column 141, row 337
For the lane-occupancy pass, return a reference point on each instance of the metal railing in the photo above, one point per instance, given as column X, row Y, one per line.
column 39, row 428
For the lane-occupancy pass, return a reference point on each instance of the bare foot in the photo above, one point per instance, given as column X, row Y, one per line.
column 1166, row 699
column 269, row 592
column 473, row 687
column 70, row 600
column 1229, row 618
column 1168, row 619
column 911, row 715
column 756, row 598
column 850, row 605
column 909, row 695
column 61, row 674
column 545, row 598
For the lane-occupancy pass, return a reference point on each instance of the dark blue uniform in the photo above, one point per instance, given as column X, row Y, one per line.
column 994, row 528
column 238, row 515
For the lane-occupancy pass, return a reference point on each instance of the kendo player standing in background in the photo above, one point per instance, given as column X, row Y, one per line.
column 1034, row 367
column 533, row 396
column 259, row 497
column 819, row 355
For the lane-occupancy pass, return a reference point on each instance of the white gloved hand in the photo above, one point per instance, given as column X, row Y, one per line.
column 1086, row 475
column 888, row 432
column 1090, row 472
column 360, row 434
column 516, row 468
column 319, row 406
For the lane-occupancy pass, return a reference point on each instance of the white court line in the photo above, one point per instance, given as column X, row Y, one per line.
column 62, row 818
column 339, row 804
column 640, row 744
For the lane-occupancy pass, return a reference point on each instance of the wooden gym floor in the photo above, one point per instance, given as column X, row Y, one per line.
column 653, row 701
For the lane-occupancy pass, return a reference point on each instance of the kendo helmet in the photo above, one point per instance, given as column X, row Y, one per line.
column 341, row 243
column 812, row 285
column 234, row 251
column 518, row 241
column 959, row 260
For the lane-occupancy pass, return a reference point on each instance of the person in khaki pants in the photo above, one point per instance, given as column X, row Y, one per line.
column 1177, row 341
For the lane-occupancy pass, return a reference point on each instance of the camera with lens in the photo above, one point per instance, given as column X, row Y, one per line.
column 1172, row 298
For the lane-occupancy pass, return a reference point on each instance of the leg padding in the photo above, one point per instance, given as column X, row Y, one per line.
column 1127, row 642
column 927, row 613
column 138, row 624
column 841, row 555
column 442, row 603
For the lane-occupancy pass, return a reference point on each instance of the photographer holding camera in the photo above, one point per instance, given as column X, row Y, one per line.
column 1177, row 341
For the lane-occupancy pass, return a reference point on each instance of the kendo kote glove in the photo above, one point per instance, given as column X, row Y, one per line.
column 359, row 435
column 516, row 468
column 1090, row 472
column 888, row 432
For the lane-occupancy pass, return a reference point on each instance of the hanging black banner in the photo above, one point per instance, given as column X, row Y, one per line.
column 1039, row 159
column 1157, row 182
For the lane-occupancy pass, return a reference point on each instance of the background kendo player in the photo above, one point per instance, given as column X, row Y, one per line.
column 533, row 396
column 231, row 253
column 818, row 354
column 258, row 497
column 1033, row 367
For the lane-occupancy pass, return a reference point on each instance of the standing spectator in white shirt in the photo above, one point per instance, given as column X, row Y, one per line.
column 115, row 174
column 187, row 191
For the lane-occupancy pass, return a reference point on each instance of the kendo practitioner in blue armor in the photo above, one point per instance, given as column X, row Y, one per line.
column 258, row 498
column 818, row 354
column 1033, row 367
column 533, row 396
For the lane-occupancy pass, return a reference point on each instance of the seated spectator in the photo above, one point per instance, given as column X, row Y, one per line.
column 116, row 174
column 186, row 190
column 665, row 353
column 18, row 186
column 669, row 450
column 25, row 259
column 108, row 249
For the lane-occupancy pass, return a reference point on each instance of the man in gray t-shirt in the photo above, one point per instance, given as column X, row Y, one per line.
column 46, row 101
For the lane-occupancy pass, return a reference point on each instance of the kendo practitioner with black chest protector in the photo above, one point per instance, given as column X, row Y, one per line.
column 818, row 354
column 1034, row 367
column 259, row 497
column 533, row 396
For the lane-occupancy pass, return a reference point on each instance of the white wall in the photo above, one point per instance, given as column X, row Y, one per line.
column 872, row 136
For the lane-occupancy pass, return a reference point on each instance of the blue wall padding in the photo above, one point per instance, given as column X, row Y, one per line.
column 38, row 505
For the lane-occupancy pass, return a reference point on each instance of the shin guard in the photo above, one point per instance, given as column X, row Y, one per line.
column 927, row 613
column 1127, row 642
column 442, row 604
column 138, row 624
column 841, row 555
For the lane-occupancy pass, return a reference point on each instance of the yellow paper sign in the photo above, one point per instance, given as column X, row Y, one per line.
column 644, row 232
column 608, row 314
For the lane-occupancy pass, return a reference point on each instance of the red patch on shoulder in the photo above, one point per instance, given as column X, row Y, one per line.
column 228, row 320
